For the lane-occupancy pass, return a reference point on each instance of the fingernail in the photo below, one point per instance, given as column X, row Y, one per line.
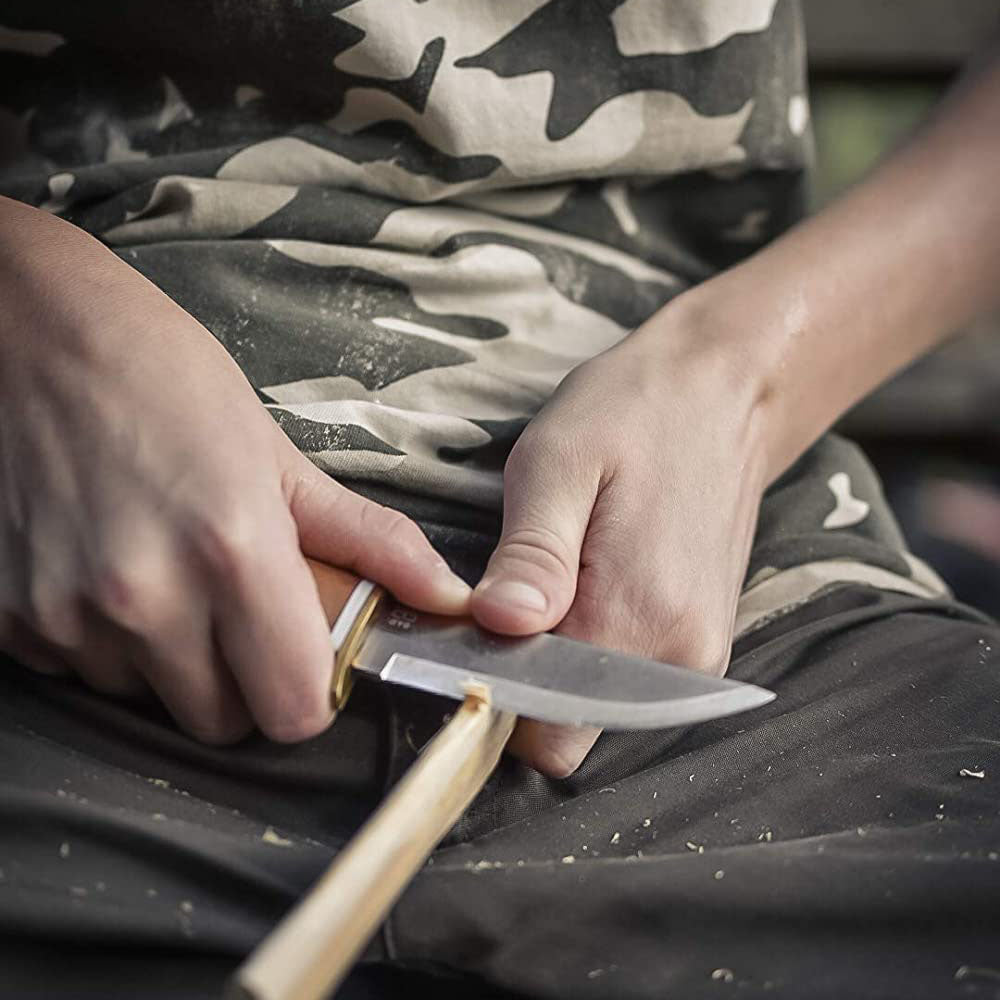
column 515, row 594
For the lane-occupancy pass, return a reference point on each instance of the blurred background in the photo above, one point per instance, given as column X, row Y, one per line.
column 876, row 68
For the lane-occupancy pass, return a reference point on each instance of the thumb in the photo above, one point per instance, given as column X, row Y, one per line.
column 530, row 581
column 376, row 542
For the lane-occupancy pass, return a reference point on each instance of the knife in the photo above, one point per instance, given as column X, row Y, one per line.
column 497, row 678
column 547, row 677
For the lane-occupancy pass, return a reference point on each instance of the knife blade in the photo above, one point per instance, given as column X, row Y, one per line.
column 547, row 677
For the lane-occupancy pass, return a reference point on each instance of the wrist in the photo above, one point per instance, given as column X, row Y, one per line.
column 700, row 344
column 795, row 329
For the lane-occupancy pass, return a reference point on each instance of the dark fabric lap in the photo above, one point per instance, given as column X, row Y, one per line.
column 825, row 845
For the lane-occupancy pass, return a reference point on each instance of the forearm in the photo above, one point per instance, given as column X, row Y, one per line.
column 56, row 280
column 847, row 298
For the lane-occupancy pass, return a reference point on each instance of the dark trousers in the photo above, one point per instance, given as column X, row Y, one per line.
column 843, row 841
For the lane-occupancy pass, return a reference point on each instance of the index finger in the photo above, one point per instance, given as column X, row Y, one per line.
column 272, row 633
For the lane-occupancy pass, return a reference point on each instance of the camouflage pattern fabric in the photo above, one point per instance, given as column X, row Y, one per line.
column 407, row 221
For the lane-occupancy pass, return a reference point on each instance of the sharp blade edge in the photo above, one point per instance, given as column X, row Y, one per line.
column 547, row 677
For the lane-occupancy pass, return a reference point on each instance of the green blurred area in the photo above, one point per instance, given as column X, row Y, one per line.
column 856, row 121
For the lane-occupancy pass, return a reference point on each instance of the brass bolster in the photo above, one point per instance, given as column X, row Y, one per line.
column 343, row 675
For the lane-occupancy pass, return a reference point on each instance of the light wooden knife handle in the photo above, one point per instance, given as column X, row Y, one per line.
column 335, row 587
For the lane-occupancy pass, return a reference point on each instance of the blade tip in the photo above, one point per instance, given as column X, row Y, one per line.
column 761, row 695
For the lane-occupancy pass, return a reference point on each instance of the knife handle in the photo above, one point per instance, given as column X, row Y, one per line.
column 349, row 601
column 335, row 587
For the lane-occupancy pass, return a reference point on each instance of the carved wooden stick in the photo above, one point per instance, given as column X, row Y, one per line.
column 312, row 949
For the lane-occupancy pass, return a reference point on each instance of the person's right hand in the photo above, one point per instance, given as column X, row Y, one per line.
column 153, row 517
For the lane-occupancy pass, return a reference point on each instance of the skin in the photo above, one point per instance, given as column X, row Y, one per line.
column 635, row 532
column 141, row 552
column 138, row 547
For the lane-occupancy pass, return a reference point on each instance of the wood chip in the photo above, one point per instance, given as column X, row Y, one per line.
column 271, row 836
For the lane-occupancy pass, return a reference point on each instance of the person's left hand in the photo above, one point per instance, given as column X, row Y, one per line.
column 630, row 503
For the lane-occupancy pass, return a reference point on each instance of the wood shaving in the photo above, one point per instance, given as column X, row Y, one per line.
column 597, row 973
column 271, row 836
column 976, row 972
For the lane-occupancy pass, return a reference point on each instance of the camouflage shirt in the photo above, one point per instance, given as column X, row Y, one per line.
column 407, row 221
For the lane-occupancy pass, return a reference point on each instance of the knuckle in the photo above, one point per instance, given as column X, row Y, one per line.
column 298, row 713
column 226, row 541
column 392, row 527
column 535, row 443
column 133, row 598
column 116, row 592
column 540, row 548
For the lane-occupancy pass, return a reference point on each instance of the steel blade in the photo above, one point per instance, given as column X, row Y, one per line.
column 546, row 677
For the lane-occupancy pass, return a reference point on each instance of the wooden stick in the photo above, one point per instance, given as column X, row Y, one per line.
column 308, row 954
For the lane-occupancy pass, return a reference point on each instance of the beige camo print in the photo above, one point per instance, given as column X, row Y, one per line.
column 547, row 215
column 408, row 221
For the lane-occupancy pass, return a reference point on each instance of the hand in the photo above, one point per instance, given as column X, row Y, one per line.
column 630, row 503
column 153, row 517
